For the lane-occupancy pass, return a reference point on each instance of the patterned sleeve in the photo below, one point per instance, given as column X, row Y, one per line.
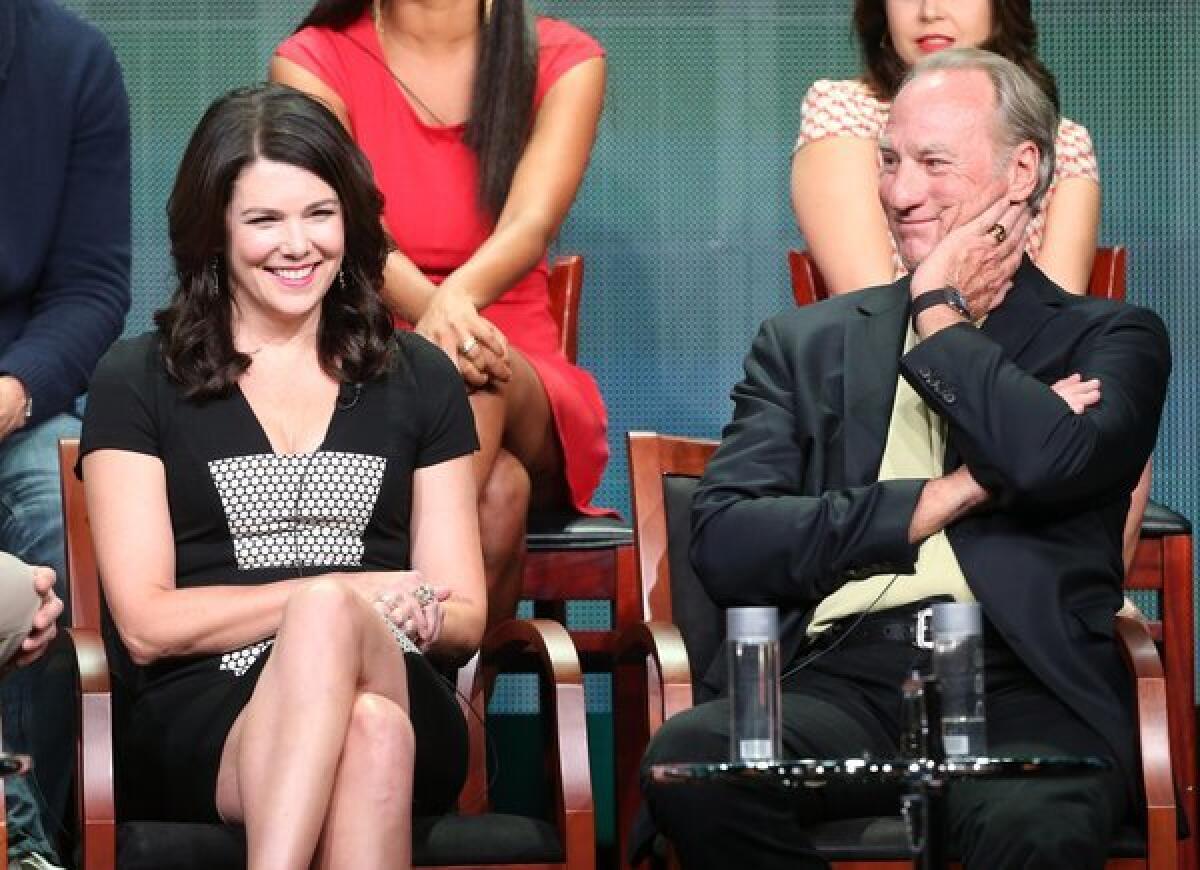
column 120, row 412
column 839, row 108
column 448, row 426
column 312, row 49
column 561, row 47
column 1074, row 155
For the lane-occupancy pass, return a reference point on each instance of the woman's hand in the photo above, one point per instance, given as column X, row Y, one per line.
column 477, row 347
column 1078, row 393
column 405, row 600
column 418, row 613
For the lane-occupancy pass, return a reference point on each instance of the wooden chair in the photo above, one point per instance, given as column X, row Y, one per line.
column 473, row 837
column 1162, row 563
column 569, row 556
column 1107, row 280
column 664, row 471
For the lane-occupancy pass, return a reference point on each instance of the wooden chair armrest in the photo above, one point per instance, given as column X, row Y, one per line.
column 562, row 697
column 669, row 684
column 94, row 756
column 1154, row 742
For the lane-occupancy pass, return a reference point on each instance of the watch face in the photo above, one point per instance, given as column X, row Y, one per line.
column 957, row 301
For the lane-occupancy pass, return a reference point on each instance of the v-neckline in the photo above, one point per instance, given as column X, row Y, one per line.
column 266, row 437
column 374, row 48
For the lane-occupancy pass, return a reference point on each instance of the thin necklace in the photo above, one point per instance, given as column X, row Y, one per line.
column 412, row 95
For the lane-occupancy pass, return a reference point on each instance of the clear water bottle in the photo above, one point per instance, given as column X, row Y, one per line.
column 752, row 635
column 958, row 667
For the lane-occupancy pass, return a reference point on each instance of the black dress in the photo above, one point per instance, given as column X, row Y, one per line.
column 242, row 515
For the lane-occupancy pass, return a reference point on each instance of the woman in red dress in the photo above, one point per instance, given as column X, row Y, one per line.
column 478, row 124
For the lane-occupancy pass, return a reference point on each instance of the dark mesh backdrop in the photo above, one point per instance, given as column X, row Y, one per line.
column 684, row 219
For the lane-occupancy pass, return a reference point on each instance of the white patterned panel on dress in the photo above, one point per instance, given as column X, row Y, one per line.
column 309, row 510
column 241, row 660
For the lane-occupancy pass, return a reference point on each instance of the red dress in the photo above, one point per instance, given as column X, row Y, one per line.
column 429, row 179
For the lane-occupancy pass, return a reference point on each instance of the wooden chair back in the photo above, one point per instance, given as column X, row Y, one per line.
column 566, row 289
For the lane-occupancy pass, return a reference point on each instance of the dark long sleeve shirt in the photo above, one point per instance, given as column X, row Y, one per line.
column 64, row 201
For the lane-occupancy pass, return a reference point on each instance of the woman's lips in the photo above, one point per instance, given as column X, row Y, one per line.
column 934, row 42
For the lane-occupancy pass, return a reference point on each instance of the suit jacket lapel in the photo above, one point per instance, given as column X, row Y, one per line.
column 1032, row 300
column 871, row 361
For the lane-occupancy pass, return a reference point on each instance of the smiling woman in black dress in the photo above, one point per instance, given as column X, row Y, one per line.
column 282, row 503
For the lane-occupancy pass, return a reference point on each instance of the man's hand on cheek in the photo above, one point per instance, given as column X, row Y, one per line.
column 978, row 257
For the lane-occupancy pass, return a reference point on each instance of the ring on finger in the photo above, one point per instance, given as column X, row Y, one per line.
column 424, row 594
column 467, row 346
column 998, row 232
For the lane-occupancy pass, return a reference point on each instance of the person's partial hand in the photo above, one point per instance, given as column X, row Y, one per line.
column 417, row 612
column 477, row 347
column 44, row 628
column 978, row 255
column 1078, row 393
column 12, row 405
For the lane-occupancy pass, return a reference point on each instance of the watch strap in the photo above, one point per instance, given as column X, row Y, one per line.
column 947, row 295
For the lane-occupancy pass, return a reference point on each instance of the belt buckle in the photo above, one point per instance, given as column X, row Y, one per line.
column 924, row 626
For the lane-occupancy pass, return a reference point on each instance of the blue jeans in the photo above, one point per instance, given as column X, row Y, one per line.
column 36, row 701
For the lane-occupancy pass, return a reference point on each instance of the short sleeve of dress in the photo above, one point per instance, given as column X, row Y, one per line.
column 840, row 108
column 312, row 49
column 447, row 424
column 561, row 47
column 1075, row 157
column 121, row 408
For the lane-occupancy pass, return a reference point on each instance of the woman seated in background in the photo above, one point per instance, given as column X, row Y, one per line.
column 835, row 167
column 479, row 124
column 835, row 190
column 283, row 511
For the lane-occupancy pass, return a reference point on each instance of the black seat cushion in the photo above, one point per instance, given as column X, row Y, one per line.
column 495, row 838
column 567, row 530
column 1160, row 520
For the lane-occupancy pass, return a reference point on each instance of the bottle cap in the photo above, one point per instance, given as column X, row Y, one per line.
column 957, row 617
column 752, row 623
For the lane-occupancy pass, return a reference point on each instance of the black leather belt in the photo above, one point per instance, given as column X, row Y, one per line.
column 909, row 624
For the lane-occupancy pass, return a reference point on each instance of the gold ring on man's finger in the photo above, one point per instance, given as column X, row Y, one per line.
column 998, row 232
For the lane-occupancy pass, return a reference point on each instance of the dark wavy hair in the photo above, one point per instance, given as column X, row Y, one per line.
column 270, row 122
column 501, row 95
column 1014, row 36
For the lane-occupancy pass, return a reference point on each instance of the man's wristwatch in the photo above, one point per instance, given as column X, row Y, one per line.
column 947, row 295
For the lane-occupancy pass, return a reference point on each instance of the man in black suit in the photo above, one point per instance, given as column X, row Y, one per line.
column 970, row 432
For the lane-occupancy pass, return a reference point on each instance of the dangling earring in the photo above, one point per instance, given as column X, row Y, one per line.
column 341, row 279
column 487, row 11
column 214, row 275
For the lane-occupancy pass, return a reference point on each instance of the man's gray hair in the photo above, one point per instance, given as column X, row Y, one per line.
column 1024, row 112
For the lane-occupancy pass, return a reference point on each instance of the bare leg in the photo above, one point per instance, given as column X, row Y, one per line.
column 281, row 759
column 519, row 460
column 375, row 772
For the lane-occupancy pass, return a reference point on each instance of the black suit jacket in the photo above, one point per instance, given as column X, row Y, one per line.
column 790, row 507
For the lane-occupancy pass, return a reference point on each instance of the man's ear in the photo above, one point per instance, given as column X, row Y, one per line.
column 1022, row 171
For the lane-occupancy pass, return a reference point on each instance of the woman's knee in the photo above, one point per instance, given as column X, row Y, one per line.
column 504, row 497
column 380, row 734
column 321, row 613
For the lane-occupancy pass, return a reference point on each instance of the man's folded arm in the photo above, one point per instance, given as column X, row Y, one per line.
column 757, row 537
column 1020, row 440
